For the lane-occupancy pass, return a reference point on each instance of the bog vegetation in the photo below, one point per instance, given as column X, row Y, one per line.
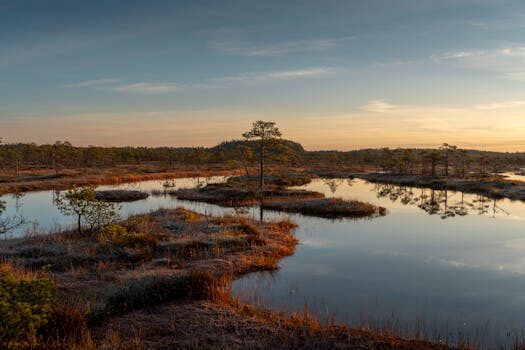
column 446, row 160
column 89, row 288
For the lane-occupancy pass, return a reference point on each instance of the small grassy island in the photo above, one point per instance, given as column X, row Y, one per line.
column 118, row 196
column 243, row 191
column 332, row 208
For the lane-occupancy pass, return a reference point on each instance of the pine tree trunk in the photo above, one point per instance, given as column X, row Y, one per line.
column 261, row 166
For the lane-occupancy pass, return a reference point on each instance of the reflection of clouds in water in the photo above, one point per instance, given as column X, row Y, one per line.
column 515, row 243
column 515, row 217
column 515, row 177
column 316, row 243
column 514, row 266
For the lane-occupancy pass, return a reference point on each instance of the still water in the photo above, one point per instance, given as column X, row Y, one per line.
column 449, row 264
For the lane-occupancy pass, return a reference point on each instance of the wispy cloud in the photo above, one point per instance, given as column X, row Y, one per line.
column 141, row 88
column 501, row 105
column 154, row 88
column 95, row 82
column 146, row 88
column 518, row 76
column 458, row 55
column 278, row 49
column 508, row 61
column 256, row 77
column 378, row 106
column 27, row 52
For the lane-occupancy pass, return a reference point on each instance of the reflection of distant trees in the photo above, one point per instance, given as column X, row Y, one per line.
column 444, row 203
column 333, row 184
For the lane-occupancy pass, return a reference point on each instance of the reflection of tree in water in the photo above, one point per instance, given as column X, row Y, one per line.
column 169, row 184
column 200, row 183
column 444, row 203
column 9, row 223
column 333, row 184
column 18, row 199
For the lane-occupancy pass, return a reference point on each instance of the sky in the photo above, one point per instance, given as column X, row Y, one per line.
column 332, row 74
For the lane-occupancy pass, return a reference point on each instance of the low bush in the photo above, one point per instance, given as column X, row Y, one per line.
column 186, row 215
column 119, row 235
column 25, row 305
column 66, row 327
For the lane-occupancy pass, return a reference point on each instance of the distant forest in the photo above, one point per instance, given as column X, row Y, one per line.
column 241, row 153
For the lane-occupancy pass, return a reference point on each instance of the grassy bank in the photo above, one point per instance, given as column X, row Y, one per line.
column 489, row 186
column 162, row 280
column 47, row 179
column 118, row 196
column 332, row 208
column 240, row 191
column 234, row 196
column 244, row 191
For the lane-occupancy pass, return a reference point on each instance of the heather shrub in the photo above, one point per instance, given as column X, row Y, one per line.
column 119, row 235
column 25, row 305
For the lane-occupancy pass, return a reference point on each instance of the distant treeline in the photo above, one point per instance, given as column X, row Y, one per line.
column 242, row 153
column 65, row 155
column 446, row 160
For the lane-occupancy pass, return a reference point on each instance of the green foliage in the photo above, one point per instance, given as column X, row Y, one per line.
column 25, row 304
column 262, row 130
column 119, row 235
column 90, row 212
column 137, row 240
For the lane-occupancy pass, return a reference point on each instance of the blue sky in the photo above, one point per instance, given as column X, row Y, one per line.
column 332, row 74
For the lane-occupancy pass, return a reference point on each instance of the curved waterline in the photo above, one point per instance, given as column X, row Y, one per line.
column 458, row 272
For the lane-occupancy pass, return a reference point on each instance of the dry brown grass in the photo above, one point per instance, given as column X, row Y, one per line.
column 490, row 186
column 332, row 208
column 39, row 180
column 231, row 194
column 142, row 262
column 232, row 325
column 7, row 267
column 114, row 296
column 119, row 196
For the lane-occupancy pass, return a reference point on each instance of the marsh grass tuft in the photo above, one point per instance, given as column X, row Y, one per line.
column 332, row 208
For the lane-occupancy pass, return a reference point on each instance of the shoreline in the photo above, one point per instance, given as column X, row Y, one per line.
column 492, row 188
column 175, row 291
column 110, row 176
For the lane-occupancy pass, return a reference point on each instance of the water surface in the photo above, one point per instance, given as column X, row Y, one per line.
column 448, row 263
